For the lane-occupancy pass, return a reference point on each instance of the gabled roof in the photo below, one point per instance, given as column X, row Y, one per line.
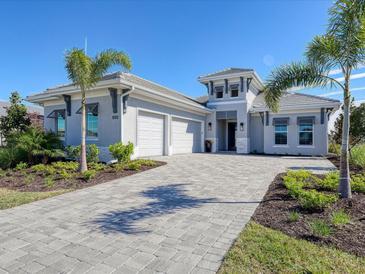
column 295, row 101
column 226, row 72
column 127, row 78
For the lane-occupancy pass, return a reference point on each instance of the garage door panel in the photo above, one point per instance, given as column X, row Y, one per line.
column 150, row 134
column 186, row 136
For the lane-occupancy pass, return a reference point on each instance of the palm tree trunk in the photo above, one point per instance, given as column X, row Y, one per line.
column 344, row 187
column 83, row 163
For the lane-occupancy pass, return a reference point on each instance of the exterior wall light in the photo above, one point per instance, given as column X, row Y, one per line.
column 209, row 126
column 241, row 126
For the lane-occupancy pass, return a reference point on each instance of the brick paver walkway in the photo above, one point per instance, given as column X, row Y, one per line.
column 178, row 218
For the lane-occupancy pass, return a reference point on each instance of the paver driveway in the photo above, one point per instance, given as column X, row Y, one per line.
column 178, row 218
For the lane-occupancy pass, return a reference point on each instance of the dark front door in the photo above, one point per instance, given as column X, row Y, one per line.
column 232, row 136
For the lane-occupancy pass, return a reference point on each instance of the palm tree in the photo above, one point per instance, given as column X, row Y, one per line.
column 35, row 142
column 341, row 48
column 85, row 72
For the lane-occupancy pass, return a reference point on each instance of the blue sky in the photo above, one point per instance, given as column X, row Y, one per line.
column 169, row 42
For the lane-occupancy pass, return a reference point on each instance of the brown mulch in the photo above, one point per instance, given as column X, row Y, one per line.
column 336, row 161
column 274, row 212
column 16, row 180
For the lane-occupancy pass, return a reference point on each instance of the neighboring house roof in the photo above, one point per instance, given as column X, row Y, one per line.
column 127, row 78
column 30, row 109
column 202, row 99
column 226, row 72
column 295, row 101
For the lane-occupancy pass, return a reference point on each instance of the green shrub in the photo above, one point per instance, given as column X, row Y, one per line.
column 121, row 152
column 92, row 153
column 44, row 169
column 314, row 200
column 73, row 152
column 29, row 178
column 89, row 174
column 146, row 162
column 96, row 166
column 358, row 156
column 329, row 182
column 358, row 183
column 10, row 156
column 21, row 166
column 299, row 175
column 320, row 228
column 334, row 148
column 134, row 165
column 49, row 181
column 2, row 173
column 293, row 216
column 294, row 187
column 65, row 174
column 339, row 218
column 37, row 143
column 70, row 166
column 119, row 166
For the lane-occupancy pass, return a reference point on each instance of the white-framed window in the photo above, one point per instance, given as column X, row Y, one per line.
column 234, row 90
column 218, row 92
column 281, row 134
column 60, row 124
column 92, row 123
column 92, row 119
column 306, row 134
column 59, row 121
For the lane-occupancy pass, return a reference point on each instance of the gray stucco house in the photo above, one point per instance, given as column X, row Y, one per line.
column 160, row 121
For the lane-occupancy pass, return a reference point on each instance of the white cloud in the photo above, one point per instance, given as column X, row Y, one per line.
column 340, row 92
column 352, row 77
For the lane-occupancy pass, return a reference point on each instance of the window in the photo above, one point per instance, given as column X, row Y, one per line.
column 59, row 121
column 306, row 134
column 92, row 121
column 281, row 134
column 234, row 93
column 219, row 92
column 60, row 124
column 234, row 90
column 92, row 124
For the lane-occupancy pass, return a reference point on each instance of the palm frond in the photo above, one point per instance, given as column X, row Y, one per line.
column 79, row 67
column 103, row 61
column 324, row 51
column 347, row 26
column 294, row 75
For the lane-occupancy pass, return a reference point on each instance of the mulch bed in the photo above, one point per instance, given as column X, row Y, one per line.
column 274, row 212
column 17, row 181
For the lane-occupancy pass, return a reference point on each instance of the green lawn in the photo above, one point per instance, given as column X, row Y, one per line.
column 262, row 250
column 11, row 198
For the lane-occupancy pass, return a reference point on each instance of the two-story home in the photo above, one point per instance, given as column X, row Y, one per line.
column 160, row 121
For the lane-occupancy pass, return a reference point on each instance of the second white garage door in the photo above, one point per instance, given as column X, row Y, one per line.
column 150, row 134
column 186, row 136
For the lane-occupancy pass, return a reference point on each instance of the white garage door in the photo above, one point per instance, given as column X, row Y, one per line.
column 150, row 134
column 186, row 137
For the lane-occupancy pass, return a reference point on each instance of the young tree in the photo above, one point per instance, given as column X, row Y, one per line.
column 16, row 119
column 85, row 72
column 341, row 48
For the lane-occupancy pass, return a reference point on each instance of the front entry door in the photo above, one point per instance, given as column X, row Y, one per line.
column 232, row 136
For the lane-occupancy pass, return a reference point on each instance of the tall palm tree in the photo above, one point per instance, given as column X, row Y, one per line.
column 85, row 71
column 341, row 48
